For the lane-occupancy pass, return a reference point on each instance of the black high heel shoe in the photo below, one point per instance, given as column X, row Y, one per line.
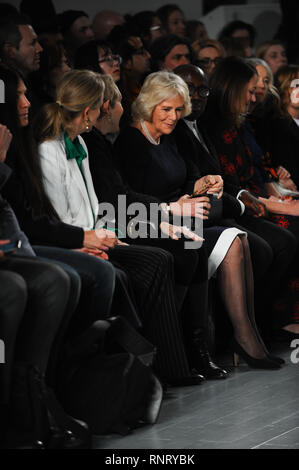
column 264, row 363
column 277, row 359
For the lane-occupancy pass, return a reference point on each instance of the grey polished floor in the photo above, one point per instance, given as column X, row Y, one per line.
column 252, row 409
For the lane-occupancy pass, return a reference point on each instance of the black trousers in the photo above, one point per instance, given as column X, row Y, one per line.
column 191, row 278
column 149, row 273
column 98, row 282
column 33, row 299
column 282, row 243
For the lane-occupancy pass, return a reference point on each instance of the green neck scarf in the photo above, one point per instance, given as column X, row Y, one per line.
column 74, row 149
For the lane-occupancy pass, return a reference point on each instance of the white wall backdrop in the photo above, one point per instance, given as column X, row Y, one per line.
column 263, row 14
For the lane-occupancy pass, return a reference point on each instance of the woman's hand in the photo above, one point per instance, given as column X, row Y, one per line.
column 288, row 184
column 120, row 243
column 101, row 239
column 175, row 232
column 211, row 184
column 285, row 179
column 282, row 173
column 278, row 206
column 191, row 207
column 94, row 252
column 5, row 140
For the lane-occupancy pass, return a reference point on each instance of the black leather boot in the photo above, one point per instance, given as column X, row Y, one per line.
column 201, row 359
column 22, row 430
column 37, row 419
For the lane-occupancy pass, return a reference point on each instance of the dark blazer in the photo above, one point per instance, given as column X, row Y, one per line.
column 207, row 162
column 107, row 181
column 156, row 170
column 9, row 226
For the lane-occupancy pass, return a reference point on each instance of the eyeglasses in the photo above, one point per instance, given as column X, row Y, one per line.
column 111, row 59
column 202, row 91
column 207, row 61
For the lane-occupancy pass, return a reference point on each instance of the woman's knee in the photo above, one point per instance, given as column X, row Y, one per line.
column 236, row 250
column 284, row 243
column 13, row 296
column 103, row 272
column 163, row 259
column 52, row 275
column 261, row 255
column 50, row 290
column 291, row 243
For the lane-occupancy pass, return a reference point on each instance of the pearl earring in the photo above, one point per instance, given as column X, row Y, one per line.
column 87, row 124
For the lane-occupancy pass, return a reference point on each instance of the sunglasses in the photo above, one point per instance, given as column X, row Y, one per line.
column 202, row 91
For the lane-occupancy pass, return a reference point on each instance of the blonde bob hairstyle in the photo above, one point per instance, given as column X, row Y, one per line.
column 77, row 90
column 158, row 87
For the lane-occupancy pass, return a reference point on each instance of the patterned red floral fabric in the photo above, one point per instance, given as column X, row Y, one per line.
column 281, row 220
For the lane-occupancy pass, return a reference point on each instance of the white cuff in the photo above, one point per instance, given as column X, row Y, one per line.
column 242, row 206
column 240, row 192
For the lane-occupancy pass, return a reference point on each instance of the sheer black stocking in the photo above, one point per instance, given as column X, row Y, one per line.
column 250, row 289
column 236, row 288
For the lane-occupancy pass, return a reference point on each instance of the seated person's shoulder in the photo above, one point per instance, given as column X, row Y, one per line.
column 51, row 149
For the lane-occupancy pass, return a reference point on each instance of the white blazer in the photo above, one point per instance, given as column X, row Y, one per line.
column 65, row 186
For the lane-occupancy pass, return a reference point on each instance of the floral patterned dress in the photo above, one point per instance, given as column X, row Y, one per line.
column 244, row 166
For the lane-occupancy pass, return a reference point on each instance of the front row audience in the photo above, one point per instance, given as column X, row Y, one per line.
column 203, row 144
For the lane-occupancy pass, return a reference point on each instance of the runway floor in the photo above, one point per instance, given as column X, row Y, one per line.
column 251, row 409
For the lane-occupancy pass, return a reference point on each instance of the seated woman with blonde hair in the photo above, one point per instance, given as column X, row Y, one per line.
column 69, row 186
column 190, row 284
column 151, row 164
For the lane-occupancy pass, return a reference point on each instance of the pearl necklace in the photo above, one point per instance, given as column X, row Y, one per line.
column 147, row 134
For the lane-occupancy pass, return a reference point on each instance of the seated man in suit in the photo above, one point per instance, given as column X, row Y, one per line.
column 266, row 246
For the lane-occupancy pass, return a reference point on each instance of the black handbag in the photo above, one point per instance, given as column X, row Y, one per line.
column 107, row 380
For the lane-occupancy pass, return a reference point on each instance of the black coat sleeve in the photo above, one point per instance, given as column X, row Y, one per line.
column 108, row 182
column 206, row 163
